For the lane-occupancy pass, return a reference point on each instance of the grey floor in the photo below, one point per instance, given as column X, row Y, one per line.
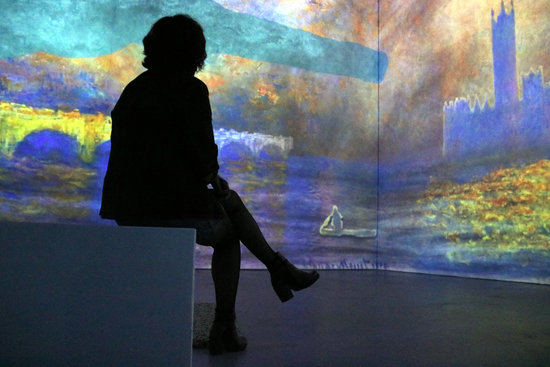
column 380, row 318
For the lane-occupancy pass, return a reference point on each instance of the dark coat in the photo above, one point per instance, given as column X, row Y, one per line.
column 162, row 151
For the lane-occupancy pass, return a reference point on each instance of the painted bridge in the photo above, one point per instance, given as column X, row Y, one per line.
column 19, row 121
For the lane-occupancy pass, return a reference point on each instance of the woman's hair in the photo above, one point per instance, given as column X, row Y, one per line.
column 175, row 42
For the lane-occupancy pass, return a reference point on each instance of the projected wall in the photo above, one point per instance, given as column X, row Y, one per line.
column 360, row 134
column 465, row 114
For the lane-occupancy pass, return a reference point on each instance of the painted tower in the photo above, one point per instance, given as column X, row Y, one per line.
column 477, row 129
column 504, row 57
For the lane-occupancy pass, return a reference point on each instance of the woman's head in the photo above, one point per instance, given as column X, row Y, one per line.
column 175, row 42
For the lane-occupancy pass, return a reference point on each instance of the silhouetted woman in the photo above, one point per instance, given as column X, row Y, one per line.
column 163, row 160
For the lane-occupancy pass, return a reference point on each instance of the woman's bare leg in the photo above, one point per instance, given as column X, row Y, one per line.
column 226, row 266
column 247, row 230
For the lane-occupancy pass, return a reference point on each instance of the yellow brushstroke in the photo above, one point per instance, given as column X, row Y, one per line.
column 18, row 121
column 509, row 214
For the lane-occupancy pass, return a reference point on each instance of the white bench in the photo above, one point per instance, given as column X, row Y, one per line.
column 100, row 296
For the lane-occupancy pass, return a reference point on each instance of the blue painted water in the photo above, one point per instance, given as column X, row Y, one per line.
column 290, row 198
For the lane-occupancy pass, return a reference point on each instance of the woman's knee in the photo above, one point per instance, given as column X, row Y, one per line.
column 218, row 233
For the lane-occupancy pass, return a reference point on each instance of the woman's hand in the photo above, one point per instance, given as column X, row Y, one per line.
column 221, row 187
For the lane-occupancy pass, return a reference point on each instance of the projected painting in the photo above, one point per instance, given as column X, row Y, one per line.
column 465, row 135
column 399, row 135
column 294, row 98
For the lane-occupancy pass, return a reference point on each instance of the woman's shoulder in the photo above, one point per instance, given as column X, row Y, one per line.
column 144, row 78
column 198, row 84
column 148, row 83
column 167, row 80
column 137, row 84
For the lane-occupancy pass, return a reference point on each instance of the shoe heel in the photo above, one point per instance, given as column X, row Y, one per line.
column 283, row 291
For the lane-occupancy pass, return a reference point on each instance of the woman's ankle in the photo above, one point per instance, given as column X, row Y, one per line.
column 224, row 315
column 275, row 263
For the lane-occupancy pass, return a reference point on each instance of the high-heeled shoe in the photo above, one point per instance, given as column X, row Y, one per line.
column 286, row 278
column 224, row 337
